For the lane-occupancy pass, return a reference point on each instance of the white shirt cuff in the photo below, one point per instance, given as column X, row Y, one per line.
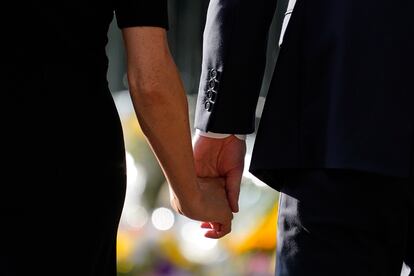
column 219, row 135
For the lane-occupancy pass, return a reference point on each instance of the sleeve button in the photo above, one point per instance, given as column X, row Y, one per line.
column 213, row 73
column 208, row 105
column 212, row 84
column 211, row 95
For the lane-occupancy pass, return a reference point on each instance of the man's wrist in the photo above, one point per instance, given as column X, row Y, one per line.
column 219, row 135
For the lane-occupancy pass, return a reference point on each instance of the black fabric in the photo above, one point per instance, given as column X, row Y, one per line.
column 235, row 40
column 62, row 221
column 62, row 152
column 340, row 222
column 341, row 94
column 152, row 13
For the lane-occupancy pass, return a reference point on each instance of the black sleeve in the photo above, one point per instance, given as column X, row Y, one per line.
column 234, row 59
column 132, row 13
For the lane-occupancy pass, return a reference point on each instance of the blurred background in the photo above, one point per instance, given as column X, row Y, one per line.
column 153, row 240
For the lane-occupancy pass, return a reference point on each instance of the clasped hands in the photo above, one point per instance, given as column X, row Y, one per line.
column 219, row 167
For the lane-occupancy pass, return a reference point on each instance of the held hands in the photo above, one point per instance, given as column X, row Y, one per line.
column 208, row 205
column 223, row 158
column 219, row 166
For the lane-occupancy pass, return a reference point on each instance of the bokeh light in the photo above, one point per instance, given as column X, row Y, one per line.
column 163, row 219
column 195, row 246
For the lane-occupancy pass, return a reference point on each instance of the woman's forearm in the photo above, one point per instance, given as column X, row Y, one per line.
column 161, row 106
column 163, row 117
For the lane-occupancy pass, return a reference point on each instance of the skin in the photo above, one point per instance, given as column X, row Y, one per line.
column 161, row 107
column 221, row 158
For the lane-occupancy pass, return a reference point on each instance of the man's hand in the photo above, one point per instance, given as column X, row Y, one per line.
column 223, row 158
column 209, row 205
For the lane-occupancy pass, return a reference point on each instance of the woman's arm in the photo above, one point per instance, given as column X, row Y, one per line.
column 161, row 107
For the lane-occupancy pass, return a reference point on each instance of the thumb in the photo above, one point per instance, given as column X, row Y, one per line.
column 233, row 181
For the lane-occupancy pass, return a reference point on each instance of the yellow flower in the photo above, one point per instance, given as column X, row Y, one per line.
column 261, row 237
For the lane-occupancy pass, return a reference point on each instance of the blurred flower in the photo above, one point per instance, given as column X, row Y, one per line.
column 261, row 237
column 125, row 249
column 172, row 251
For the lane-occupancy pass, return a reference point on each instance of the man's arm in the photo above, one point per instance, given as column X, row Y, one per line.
column 161, row 106
column 234, row 59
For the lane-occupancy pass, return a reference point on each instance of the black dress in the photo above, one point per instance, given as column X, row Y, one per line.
column 63, row 173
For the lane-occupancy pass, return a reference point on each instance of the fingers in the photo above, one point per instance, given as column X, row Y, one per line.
column 206, row 225
column 231, row 185
column 217, row 230
column 215, row 210
column 233, row 180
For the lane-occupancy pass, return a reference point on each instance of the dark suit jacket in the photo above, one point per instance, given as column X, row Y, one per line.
column 342, row 93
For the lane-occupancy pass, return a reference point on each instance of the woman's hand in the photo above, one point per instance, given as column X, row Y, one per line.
column 209, row 205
